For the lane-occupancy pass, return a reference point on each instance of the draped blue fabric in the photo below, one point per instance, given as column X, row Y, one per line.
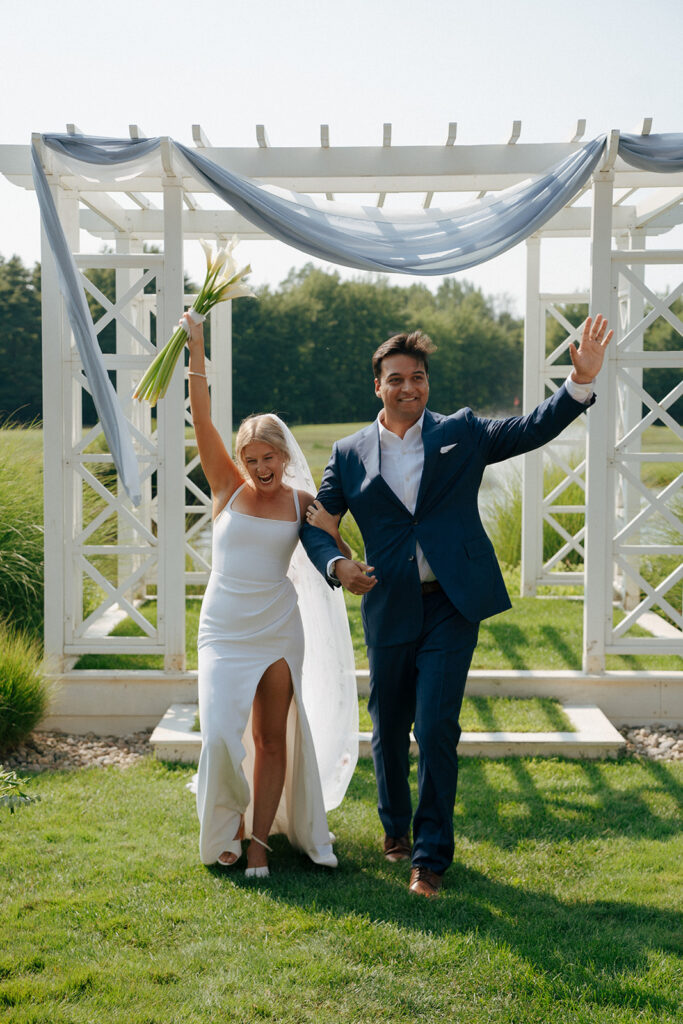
column 428, row 242
column 106, row 402
column 653, row 152
column 98, row 149
column 425, row 243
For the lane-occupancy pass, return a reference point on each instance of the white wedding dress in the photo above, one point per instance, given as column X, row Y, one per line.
column 250, row 619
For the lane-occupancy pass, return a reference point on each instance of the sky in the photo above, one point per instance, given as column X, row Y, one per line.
column 293, row 65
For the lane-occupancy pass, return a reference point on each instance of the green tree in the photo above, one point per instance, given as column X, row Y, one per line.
column 20, row 341
column 663, row 337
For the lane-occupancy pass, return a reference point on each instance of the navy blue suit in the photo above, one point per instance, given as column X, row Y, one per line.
column 420, row 646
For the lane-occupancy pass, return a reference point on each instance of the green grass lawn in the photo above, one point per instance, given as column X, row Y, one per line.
column 658, row 474
column 499, row 714
column 563, row 904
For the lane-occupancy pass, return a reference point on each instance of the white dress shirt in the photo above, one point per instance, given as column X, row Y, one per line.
column 402, row 462
column 401, row 465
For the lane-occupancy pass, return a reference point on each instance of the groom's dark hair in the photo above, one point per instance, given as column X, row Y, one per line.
column 418, row 345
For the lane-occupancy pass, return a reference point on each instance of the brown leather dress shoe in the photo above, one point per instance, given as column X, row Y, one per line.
column 425, row 882
column 397, row 848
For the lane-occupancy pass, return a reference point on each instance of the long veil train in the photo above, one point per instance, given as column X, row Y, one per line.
column 329, row 677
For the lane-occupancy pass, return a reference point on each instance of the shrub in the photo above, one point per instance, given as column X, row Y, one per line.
column 24, row 693
column 11, row 793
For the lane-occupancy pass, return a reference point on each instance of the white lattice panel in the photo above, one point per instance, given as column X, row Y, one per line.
column 645, row 555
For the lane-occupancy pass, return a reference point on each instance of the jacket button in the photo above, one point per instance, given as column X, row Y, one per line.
column 411, row 558
column 415, row 522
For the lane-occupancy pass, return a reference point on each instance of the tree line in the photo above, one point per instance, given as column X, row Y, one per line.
column 304, row 349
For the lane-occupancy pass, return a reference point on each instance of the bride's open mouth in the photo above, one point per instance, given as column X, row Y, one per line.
column 266, row 479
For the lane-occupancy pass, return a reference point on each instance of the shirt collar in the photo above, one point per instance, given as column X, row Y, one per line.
column 413, row 433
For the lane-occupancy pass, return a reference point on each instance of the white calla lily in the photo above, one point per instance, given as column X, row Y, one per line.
column 217, row 287
column 208, row 252
column 238, row 291
column 219, row 260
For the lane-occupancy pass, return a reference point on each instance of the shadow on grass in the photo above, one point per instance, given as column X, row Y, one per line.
column 505, row 806
column 598, row 950
column 556, row 642
column 511, row 642
column 574, row 947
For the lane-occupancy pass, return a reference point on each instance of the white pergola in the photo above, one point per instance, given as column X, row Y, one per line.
column 93, row 570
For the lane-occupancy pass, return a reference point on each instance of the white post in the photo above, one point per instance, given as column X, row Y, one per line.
column 221, row 371
column 532, row 471
column 125, row 383
column 56, row 438
column 171, row 426
column 597, row 609
column 633, row 411
column 73, row 427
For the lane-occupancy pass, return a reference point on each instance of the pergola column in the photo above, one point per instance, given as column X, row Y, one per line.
column 171, row 430
column 61, row 421
column 597, row 608
column 137, row 412
column 631, row 405
column 532, row 471
column 221, row 371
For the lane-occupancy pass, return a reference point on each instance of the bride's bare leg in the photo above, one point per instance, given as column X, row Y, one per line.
column 269, row 729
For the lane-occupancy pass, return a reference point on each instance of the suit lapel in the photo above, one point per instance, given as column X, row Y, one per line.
column 432, row 432
column 369, row 451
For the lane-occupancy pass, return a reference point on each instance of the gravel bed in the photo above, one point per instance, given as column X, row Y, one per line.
column 45, row 751
column 654, row 742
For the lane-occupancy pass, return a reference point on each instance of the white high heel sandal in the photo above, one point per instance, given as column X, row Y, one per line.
column 234, row 848
column 259, row 872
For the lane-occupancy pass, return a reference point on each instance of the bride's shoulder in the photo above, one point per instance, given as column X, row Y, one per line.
column 305, row 498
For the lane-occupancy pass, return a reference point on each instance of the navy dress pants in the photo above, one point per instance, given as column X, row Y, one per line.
column 421, row 682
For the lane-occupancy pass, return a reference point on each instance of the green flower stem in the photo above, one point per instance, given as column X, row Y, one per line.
column 157, row 378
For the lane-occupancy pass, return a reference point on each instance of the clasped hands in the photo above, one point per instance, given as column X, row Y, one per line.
column 354, row 576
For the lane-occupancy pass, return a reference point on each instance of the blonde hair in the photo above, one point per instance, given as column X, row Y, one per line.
column 261, row 428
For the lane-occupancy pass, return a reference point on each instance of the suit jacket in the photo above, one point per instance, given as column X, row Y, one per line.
column 446, row 520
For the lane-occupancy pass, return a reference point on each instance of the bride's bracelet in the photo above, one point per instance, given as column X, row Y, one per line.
column 194, row 373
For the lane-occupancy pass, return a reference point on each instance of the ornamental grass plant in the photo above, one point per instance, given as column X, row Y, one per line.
column 21, row 529
column 24, row 693
column 503, row 520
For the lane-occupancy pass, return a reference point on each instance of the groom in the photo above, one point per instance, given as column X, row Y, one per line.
column 410, row 480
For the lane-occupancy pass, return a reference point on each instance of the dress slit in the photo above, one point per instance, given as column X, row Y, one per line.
column 249, row 621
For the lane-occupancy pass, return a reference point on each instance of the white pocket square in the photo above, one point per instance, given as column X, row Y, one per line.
column 447, row 448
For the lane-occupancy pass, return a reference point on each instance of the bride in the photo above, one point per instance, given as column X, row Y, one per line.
column 268, row 715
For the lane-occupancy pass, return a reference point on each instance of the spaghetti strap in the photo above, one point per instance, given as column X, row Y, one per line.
column 228, row 505
column 232, row 497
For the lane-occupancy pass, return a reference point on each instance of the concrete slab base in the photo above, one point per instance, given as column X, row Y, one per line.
column 595, row 737
column 118, row 702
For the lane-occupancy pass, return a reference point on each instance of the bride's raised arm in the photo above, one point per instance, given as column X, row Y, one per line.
column 221, row 472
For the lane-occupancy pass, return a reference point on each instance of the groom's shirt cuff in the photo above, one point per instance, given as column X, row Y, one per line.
column 579, row 392
column 330, row 565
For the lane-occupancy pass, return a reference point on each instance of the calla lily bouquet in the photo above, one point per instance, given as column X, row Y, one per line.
column 223, row 282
